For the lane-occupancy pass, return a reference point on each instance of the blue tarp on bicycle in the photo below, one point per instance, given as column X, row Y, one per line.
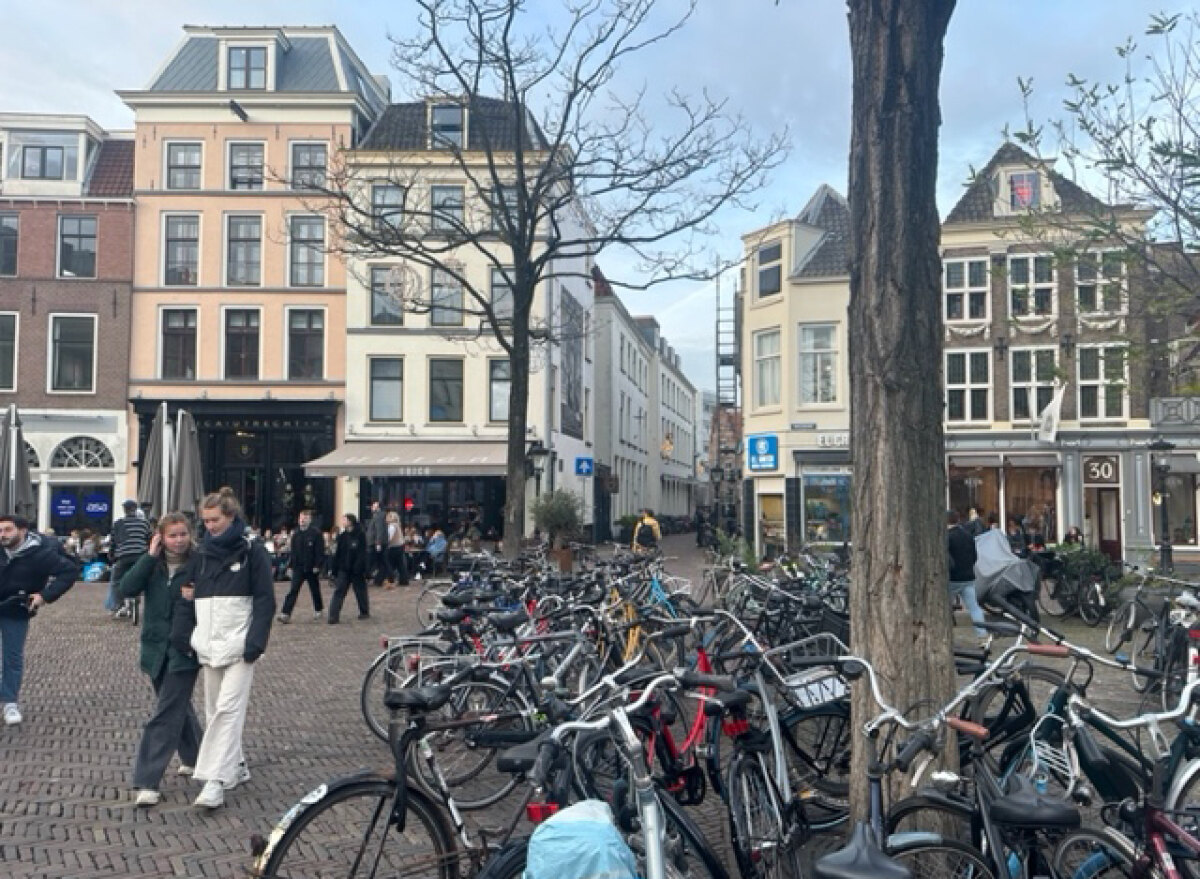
column 580, row 842
column 999, row 572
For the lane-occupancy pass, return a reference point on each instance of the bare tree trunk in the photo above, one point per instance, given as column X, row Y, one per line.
column 518, row 417
column 899, row 602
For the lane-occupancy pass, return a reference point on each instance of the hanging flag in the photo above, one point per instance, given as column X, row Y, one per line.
column 1049, row 417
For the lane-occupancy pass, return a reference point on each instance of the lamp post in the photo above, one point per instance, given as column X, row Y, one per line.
column 1162, row 448
column 535, row 464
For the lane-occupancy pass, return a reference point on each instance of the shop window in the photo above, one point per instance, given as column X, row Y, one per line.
column 975, row 488
column 826, row 507
column 1181, row 510
column 772, row 534
column 1031, row 494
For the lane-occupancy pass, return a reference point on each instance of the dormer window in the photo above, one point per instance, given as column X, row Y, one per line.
column 1024, row 191
column 247, row 67
column 447, row 126
column 42, row 156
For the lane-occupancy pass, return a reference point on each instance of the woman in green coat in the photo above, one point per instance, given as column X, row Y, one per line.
column 159, row 574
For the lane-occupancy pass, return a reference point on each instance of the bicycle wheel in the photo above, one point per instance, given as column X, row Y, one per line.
column 1145, row 655
column 1091, row 601
column 1176, row 670
column 1009, row 709
column 350, row 833
column 395, row 667
column 818, row 755
column 1090, row 853
column 1185, row 811
column 1123, row 624
column 1057, row 596
column 941, row 859
column 762, row 840
column 430, row 600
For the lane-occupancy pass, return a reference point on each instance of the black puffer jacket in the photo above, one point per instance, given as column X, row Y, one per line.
column 307, row 549
column 350, row 552
column 40, row 565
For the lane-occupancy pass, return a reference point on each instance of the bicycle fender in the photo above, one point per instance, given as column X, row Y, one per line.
column 1182, row 777
column 910, row 837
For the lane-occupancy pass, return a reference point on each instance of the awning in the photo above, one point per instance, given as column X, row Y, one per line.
column 1184, row 463
column 1034, row 460
column 415, row 458
column 964, row 460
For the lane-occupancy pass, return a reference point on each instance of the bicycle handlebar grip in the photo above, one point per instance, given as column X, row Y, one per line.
column 967, row 728
column 922, row 741
column 547, row 752
column 679, row 630
column 1060, row 651
column 693, row 680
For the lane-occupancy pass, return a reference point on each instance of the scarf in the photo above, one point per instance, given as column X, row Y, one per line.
column 227, row 541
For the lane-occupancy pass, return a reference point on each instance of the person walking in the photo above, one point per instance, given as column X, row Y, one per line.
column 349, row 569
column 234, row 603
column 160, row 575
column 307, row 556
column 647, row 533
column 395, row 551
column 130, row 540
column 961, row 547
column 377, row 562
column 38, row 567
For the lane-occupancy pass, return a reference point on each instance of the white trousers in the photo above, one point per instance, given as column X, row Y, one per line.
column 226, row 698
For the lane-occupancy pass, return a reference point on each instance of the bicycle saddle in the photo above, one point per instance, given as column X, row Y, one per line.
column 860, row 858
column 508, row 622
column 520, row 758
column 458, row 598
column 1023, row 806
column 417, row 699
column 450, row 615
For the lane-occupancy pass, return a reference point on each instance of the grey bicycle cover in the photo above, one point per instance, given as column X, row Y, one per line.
column 998, row 570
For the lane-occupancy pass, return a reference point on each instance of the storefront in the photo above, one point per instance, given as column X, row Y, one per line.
column 76, row 463
column 1020, row 485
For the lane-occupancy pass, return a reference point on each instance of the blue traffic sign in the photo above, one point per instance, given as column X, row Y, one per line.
column 762, row 451
column 584, row 466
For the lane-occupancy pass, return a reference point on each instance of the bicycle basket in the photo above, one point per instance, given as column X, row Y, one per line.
column 815, row 686
column 836, row 624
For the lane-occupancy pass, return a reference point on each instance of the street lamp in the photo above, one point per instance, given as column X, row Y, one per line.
column 535, row 464
column 1163, row 448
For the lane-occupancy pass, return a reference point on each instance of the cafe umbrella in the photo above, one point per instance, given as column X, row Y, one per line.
column 187, row 476
column 16, row 489
column 154, row 483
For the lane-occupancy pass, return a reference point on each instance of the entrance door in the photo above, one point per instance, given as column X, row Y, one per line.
column 245, row 484
column 1103, row 510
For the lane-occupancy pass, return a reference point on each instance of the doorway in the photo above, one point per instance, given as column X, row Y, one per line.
column 1102, row 525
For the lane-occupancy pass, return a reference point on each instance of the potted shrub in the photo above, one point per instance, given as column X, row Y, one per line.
column 559, row 515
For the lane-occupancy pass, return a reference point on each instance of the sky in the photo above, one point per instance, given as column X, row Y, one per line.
column 782, row 64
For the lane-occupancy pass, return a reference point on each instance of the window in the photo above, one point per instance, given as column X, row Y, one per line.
column 306, row 343
column 446, row 300
column 387, row 389
column 308, row 165
column 770, row 269
column 386, row 310
column 968, row 382
column 1030, row 286
column 502, row 296
column 1100, row 283
column 83, row 453
column 446, row 203
column 178, row 343
column 183, row 165
column 499, row 384
column 965, row 285
column 77, row 247
column 505, row 204
column 8, row 352
column 10, row 226
column 181, row 251
column 247, row 67
column 387, row 206
column 818, row 364
column 246, row 165
column 447, row 126
column 37, row 155
column 42, row 163
column 307, row 252
column 766, row 368
column 243, row 257
column 1024, row 191
column 445, row 390
column 1033, row 373
column 241, row 343
column 72, row 352
column 1102, row 383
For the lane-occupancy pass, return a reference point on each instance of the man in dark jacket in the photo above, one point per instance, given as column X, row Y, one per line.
column 307, row 556
column 377, row 540
column 349, row 569
column 38, row 567
column 961, row 547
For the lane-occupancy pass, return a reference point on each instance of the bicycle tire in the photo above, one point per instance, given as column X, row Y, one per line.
column 430, row 600
column 985, row 710
column 375, row 684
column 762, row 841
column 1055, row 598
column 940, row 859
column 818, row 755
column 1185, row 811
column 1175, row 669
column 1146, row 655
column 1091, row 601
column 1092, row 853
column 1123, row 624
column 350, row 822
column 954, row 819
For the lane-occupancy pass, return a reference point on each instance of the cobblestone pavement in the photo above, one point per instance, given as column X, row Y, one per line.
column 66, row 806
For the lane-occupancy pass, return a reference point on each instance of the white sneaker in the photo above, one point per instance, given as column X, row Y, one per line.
column 241, row 777
column 318, row 616
column 186, row 771
column 212, row 797
column 147, row 798
column 284, row 618
column 12, row 714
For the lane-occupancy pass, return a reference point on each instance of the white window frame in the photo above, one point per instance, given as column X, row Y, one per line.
column 50, row 351
column 1101, row 382
column 1032, row 386
column 16, row 366
column 224, row 339
column 162, row 237
column 505, row 274
column 291, row 170
column 370, row 285
column 262, row 225
column 462, row 299
column 371, row 358
column 16, row 215
column 161, row 348
column 490, row 362
column 166, row 163
column 429, row 360
column 58, row 233
column 268, row 58
column 303, row 215
column 1032, row 259
column 398, row 214
column 801, row 353
column 1099, row 282
column 266, row 162
column 436, row 221
column 968, row 386
column 760, row 267
column 462, row 109
column 759, row 405
column 287, row 341
column 966, row 290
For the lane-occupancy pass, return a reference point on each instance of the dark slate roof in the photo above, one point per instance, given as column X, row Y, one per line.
column 827, row 210
column 306, row 67
column 978, row 202
column 489, row 120
column 112, row 174
column 193, row 69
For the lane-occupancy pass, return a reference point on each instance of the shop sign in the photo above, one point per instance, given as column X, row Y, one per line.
column 64, row 506
column 96, row 506
column 1101, row 470
column 803, row 425
column 833, row 440
column 762, row 452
